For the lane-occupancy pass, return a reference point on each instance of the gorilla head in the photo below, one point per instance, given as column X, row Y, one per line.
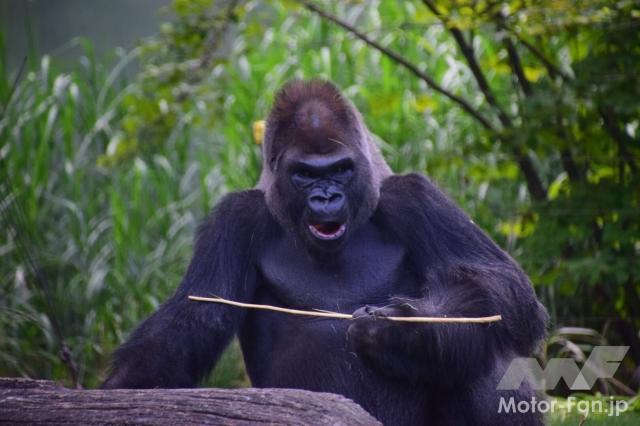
column 321, row 170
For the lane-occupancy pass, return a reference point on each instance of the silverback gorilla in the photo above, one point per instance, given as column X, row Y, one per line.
column 330, row 227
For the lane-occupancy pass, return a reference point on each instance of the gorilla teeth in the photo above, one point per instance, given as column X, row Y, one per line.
column 328, row 231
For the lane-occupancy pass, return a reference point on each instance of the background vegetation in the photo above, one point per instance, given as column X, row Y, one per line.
column 526, row 113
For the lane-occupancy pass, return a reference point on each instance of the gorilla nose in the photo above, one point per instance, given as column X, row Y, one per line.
column 326, row 204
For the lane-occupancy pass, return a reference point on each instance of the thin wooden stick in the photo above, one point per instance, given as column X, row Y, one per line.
column 337, row 315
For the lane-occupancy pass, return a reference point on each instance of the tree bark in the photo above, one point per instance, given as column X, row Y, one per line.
column 44, row 402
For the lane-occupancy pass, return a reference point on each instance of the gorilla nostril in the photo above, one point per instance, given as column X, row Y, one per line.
column 326, row 203
column 321, row 199
column 336, row 203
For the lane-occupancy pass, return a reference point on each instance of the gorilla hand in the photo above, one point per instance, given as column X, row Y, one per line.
column 378, row 341
column 446, row 354
column 370, row 325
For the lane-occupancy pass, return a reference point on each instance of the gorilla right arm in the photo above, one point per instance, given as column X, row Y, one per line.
column 179, row 344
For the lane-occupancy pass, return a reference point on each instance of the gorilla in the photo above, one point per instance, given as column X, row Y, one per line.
column 330, row 227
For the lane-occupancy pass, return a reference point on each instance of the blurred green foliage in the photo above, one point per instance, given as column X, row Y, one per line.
column 590, row 410
column 104, row 179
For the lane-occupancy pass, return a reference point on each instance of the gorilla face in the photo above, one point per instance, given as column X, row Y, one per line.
column 317, row 175
column 322, row 182
column 323, row 189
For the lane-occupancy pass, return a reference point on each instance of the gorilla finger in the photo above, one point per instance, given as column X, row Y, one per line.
column 365, row 311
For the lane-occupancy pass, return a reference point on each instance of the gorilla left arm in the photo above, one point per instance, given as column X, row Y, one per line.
column 465, row 274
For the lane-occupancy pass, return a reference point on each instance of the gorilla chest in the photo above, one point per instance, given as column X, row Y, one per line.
column 368, row 270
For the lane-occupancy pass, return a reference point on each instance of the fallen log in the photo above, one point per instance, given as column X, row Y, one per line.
column 45, row 402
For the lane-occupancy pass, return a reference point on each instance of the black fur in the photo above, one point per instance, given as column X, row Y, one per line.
column 408, row 251
column 179, row 344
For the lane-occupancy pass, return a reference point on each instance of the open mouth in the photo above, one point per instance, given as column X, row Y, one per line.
column 328, row 231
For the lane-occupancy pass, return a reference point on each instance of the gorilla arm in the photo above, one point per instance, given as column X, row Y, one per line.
column 465, row 275
column 179, row 344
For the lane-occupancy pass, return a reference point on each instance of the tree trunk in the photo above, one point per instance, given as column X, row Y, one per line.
column 45, row 402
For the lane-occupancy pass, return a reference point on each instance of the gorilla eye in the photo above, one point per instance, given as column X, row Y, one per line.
column 305, row 174
column 343, row 171
column 303, row 177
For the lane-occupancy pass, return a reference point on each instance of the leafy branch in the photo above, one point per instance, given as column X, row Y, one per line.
column 534, row 183
column 464, row 104
column 607, row 115
column 566, row 157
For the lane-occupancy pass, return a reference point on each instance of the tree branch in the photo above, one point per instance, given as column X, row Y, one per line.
column 566, row 158
column 620, row 137
column 552, row 69
column 608, row 116
column 467, row 51
column 569, row 165
column 516, row 66
column 465, row 105
column 216, row 34
column 534, row 183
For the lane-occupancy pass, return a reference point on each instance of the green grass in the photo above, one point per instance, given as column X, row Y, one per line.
column 573, row 415
column 88, row 248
